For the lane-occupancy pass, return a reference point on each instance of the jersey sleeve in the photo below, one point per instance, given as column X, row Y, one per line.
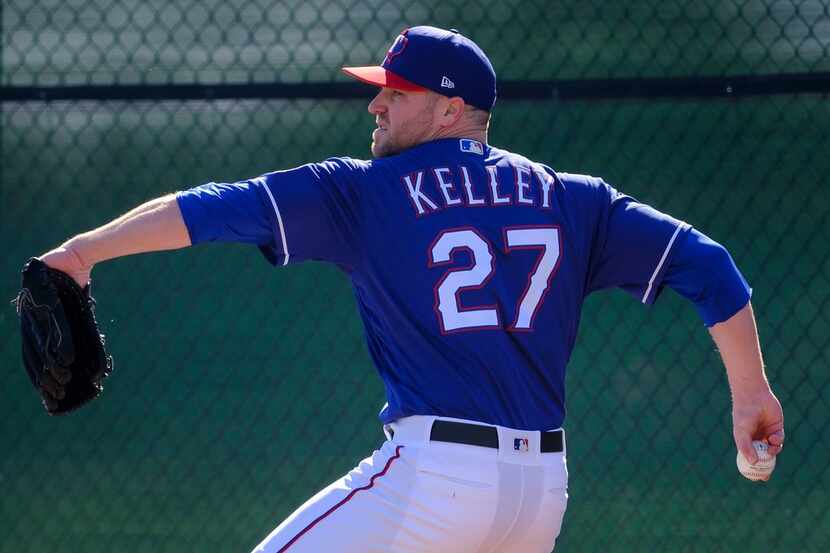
column 633, row 245
column 307, row 213
column 703, row 272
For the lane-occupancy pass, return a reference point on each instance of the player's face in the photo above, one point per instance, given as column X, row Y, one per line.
column 404, row 119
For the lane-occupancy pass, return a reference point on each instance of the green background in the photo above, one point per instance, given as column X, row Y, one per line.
column 240, row 389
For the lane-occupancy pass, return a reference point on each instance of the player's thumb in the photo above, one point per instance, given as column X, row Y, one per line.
column 743, row 440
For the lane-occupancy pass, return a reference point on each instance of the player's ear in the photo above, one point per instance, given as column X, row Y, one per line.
column 451, row 110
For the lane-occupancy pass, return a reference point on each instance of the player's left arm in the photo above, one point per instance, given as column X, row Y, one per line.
column 153, row 226
column 318, row 220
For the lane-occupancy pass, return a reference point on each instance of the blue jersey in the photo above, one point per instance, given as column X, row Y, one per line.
column 469, row 263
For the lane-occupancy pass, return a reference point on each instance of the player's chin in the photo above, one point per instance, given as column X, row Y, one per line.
column 376, row 151
column 382, row 149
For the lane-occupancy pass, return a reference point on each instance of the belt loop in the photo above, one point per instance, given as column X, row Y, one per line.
column 429, row 420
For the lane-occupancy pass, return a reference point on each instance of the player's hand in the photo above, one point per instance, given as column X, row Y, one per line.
column 66, row 259
column 757, row 416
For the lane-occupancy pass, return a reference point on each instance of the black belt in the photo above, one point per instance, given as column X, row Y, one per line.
column 486, row 436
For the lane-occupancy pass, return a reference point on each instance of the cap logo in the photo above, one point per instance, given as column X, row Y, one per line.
column 397, row 48
column 446, row 82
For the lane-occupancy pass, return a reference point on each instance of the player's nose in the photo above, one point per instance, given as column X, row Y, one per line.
column 376, row 105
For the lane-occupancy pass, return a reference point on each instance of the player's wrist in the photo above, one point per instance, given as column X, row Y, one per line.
column 748, row 389
column 82, row 251
column 67, row 259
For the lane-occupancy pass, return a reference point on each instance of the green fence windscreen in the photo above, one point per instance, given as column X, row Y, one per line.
column 239, row 390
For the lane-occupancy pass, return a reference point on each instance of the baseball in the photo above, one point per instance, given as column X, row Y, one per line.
column 760, row 470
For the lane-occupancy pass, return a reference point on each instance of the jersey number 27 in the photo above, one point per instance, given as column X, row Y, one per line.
column 452, row 317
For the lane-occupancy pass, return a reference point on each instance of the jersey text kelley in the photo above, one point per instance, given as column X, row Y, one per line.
column 439, row 188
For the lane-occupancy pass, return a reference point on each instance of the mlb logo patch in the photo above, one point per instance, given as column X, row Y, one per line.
column 520, row 444
column 472, row 146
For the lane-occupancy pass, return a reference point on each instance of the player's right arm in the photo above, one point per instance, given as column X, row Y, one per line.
column 642, row 250
column 703, row 272
column 153, row 226
column 756, row 412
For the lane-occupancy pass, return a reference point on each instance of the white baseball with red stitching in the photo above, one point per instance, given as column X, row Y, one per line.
column 760, row 470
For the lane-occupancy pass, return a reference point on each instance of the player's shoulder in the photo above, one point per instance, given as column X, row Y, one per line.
column 342, row 164
column 341, row 171
column 362, row 168
column 571, row 183
column 380, row 169
column 589, row 186
column 501, row 156
column 583, row 181
column 330, row 167
column 590, row 198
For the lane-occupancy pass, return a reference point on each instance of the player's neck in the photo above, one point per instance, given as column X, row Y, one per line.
column 462, row 130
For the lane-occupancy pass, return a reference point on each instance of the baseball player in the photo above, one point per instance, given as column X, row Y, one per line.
column 470, row 265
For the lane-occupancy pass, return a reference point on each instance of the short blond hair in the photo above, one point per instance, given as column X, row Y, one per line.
column 478, row 115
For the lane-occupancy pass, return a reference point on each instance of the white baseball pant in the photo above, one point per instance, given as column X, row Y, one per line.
column 414, row 495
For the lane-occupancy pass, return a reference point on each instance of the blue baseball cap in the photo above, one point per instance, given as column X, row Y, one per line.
column 429, row 58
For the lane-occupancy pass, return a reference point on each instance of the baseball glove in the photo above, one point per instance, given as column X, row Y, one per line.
column 63, row 351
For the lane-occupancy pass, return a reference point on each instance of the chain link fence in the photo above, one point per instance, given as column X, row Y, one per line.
column 239, row 390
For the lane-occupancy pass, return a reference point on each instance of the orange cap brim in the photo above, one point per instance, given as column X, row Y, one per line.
column 380, row 76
